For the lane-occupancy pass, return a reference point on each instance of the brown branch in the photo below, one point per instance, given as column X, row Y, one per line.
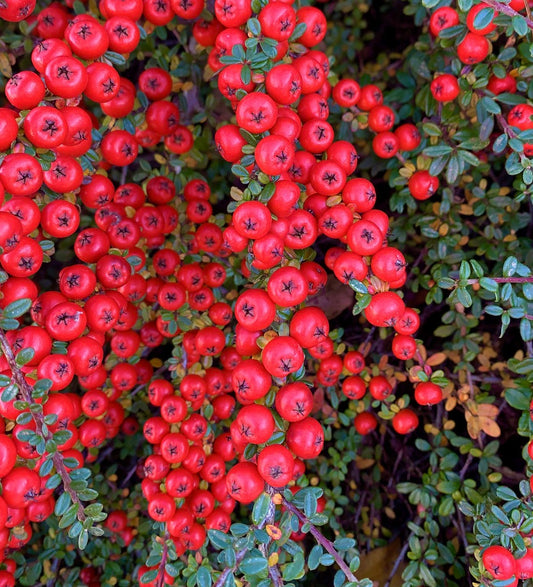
column 461, row 531
column 27, row 396
column 398, row 561
column 322, row 540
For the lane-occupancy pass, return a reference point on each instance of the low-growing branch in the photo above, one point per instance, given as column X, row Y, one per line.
column 322, row 540
column 239, row 556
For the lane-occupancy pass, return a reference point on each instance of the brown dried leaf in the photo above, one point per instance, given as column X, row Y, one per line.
column 383, row 362
column 436, row 359
column 473, row 427
column 5, row 66
column 334, row 298
column 488, row 410
column 363, row 463
column 378, row 564
column 489, row 427
column 413, row 373
column 450, row 404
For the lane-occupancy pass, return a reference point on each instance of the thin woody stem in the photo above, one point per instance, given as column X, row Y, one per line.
column 162, row 564
column 322, row 540
column 26, row 392
column 273, row 570
column 504, row 280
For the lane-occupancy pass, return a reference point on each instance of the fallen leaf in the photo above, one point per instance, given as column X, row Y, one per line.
column 334, row 298
column 378, row 563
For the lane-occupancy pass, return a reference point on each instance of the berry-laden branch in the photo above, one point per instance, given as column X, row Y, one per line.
column 38, row 418
column 322, row 540
column 504, row 9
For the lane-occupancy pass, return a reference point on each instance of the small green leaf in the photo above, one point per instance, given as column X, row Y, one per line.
column 298, row 31
column 253, row 564
column 358, row 286
column 69, row 516
column 464, row 297
column 483, row 18
column 314, row 557
column 489, row 284
column 344, row 543
column 260, row 509
column 149, row 576
column 254, row 26
column 115, row 58
column 219, row 539
column 24, row 356
column 203, row 577
column 510, row 266
column 53, row 482
column 519, row 25
column 295, row 570
column 500, row 144
column 17, row 308
column 10, row 393
column 517, row 398
column 62, row 503
column 506, row 493
column 9, row 323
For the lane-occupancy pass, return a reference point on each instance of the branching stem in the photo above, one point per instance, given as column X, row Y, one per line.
column 322, row 540
column 223, row 576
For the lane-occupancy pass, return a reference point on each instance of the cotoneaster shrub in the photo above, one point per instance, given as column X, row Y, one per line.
column 189, row 191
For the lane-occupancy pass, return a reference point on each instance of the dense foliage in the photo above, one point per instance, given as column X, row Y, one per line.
column 266, row 292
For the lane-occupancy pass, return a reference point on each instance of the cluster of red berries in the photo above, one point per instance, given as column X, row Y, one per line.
column 503, row 566
column 242, row 364
column 474, row 48
column 256, row 390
